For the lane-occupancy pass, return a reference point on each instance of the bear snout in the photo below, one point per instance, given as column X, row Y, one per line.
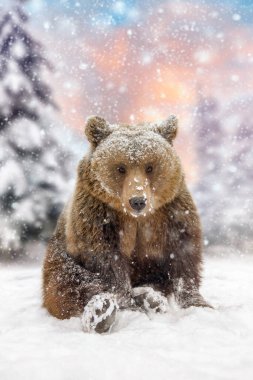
column 138, row 203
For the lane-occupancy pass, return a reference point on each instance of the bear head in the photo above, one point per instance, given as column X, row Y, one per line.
column 134, row 169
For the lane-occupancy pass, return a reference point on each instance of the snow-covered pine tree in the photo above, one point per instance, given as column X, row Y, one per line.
column 223, row 140
column 210, row 156
column 237, row 171
column 33, row 163
column 21, row 95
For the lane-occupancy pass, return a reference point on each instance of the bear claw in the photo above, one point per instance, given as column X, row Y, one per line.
column 195, row 299
column 100, row 312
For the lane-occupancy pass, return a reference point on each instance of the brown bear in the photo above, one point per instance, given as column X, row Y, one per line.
column 130, row 236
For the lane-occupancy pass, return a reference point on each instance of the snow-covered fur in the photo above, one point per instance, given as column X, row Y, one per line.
column 131, row 223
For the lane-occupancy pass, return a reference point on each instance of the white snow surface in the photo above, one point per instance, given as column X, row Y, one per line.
column 182, row 344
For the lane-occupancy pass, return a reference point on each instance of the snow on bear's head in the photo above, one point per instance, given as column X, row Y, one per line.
column 135, row 167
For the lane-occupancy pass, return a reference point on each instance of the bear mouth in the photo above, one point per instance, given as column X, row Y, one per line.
column 139, row 213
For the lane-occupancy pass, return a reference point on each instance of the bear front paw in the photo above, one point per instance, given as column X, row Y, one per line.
column 150, row 299
column 100, row 313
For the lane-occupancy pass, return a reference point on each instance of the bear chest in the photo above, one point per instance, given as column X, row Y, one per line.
column 143, row 239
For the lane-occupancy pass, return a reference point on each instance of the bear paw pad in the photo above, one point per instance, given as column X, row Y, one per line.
column 150, row 299
column 100, row 312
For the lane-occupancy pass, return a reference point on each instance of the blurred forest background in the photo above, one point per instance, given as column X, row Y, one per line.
column 61, row 61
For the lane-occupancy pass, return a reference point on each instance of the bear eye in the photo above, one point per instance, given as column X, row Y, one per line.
column 149, row 169
column 121, row 169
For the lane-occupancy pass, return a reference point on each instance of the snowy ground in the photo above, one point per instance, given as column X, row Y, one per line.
column 192, row 344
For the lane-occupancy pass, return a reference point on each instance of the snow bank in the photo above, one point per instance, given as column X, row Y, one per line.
column 183, row 344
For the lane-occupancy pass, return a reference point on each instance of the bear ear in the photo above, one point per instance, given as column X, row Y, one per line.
column 96, row 129
column 168, row 128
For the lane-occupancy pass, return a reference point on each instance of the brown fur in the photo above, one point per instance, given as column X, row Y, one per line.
column 99, row 245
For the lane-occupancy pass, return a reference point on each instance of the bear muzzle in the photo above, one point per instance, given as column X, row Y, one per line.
column 138, row 203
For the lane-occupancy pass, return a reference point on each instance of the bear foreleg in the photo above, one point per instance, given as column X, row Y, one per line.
column 68, row 285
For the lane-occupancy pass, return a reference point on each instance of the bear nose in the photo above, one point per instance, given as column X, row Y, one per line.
column 137, row 203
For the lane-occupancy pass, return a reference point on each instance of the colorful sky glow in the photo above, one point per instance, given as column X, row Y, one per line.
column 133, row 61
